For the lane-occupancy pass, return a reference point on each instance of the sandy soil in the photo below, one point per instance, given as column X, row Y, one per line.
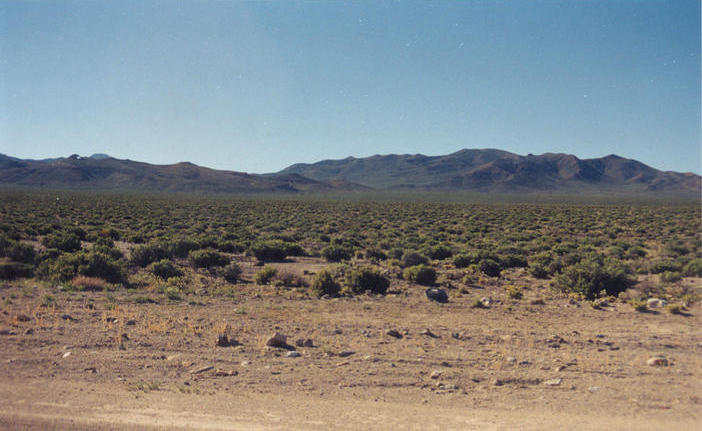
column 85, row 363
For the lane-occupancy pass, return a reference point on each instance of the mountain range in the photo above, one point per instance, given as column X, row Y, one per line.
column 481, row 170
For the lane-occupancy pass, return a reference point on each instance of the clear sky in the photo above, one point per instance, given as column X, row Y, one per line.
column 255, row 86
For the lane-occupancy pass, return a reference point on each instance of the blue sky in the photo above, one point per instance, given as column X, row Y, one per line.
column 256, row 86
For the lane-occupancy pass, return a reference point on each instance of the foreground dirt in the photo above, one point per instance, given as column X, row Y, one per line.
column 96, row 360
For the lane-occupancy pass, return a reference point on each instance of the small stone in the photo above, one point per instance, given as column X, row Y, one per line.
column 394, row 333
column 301, row 342
column 593, row 389
column 22, row 318
column 66, row 316
column 346, row 353
column 428, row 333
column 435, row 374
column 553, row 382
column 225, row 373
column 524, row 363
column 223, row 340
column 657, row 361
column 201, row 369
column 65, row 355
column 277, row 340
column 511, row 360
column 293, row 354
column 656, row 303
column 560, row 368
column 436, row 294
column 5, row 331
column 29, row 331
column 130, row 322
column 486, row 301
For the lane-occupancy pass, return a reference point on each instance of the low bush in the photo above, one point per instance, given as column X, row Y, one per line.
column 265, row 275
column 412, row 258
column 337, row 253
column 231, row 272
column 670, row 276
column 324, row 284
column 420, row 274
column 359, row 280
column 64, row 241
column 514, row 292
column 165, row 269
column 145, row 255
column 663, row 266
column 21, row 252
column 272, row 250
column 592, row 277
column 375, row 254
column 693, row 268
column 82, row 282
column 207, row 258
column 490, row 267
column 14, row 270
column 440, row 252
column 91, row 264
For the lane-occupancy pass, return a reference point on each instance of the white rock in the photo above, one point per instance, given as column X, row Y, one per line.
column 656, row 303
column 657, row 361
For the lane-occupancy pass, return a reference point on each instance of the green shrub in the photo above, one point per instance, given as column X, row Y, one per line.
column 337, row 253
column 207, row 258
column 358, row 280
column 693, row 268
column 180, row 247
column 439, row 252
column 670, row 276
column 420, row 274
column 661, row 266
column 91, row 264
column 232, row 272
column 638, row 304
column 395, row 253
column 272, row 250
column 465, row 260
column 412, row 258
column 489, row 267
column 64, row 241
column 265, row 275
column 13, row 270
column 165, row 269
column 514, row 292
column 324, row 284
column 21, row 252
column 144, row 255
column 513, row 261
column 590, row 277
column 538, row 271
column 376, row 254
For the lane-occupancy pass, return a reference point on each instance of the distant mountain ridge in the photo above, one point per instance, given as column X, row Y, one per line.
column 102, row 172
column 481, row 170
column 494, row 170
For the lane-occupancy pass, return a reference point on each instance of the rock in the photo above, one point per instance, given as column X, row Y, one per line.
column 29, row 331
column 225, row 373
column 224, row 341
column 428, row 333
column 593, row 389
column 304, row 342
column 657, row 361
column 22, row 317
column 66, row 316
column 486, row 301
column 111, row 319
column 524, row 363
column 201, row 369
column 130, row 322
column 346, row 353
column 553, row 382
column 435, row 374
column 293, row 354
column 6, row 331
column 436, row 294
column 656, row 303
column 394, row 333
column 277, row 340
column 511, row 360
column 65, row 355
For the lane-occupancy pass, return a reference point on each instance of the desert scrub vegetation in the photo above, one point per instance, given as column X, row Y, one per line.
column 325, row 284
column 121, row 239
column 265, row 275
column 420, row 274
column 367, row 278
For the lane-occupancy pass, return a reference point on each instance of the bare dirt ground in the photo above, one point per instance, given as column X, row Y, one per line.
column 94, row 360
